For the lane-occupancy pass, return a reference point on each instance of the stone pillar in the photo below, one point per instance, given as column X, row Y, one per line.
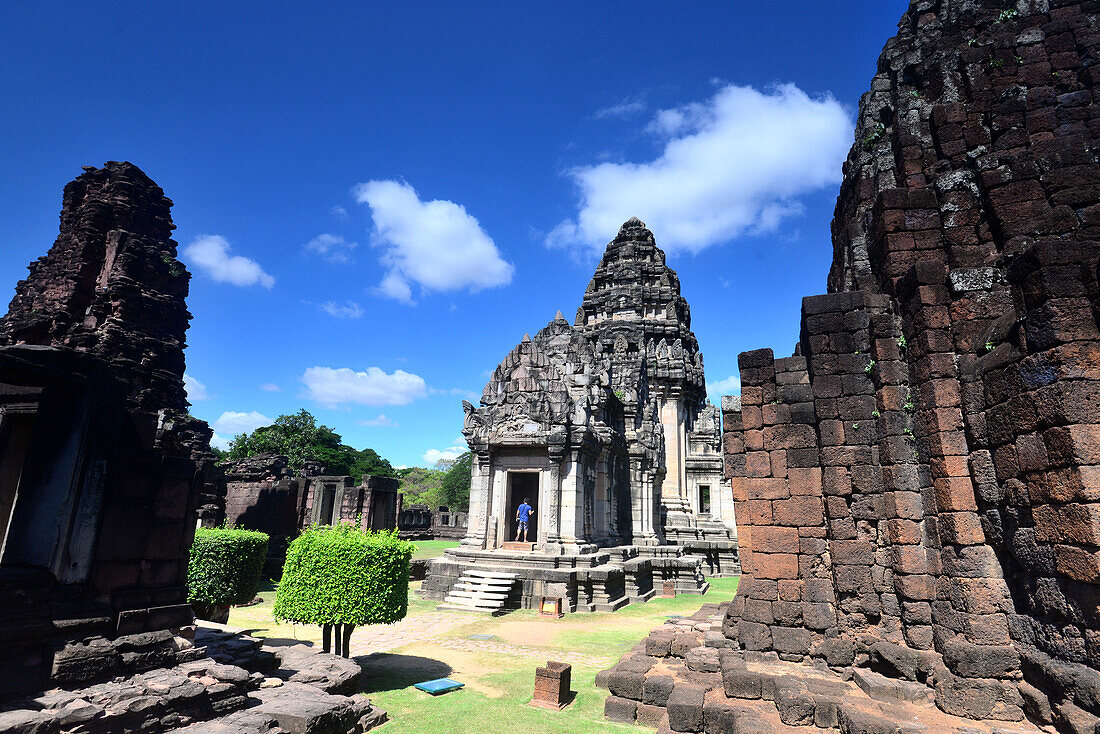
column 572, row 507
column 674, row 487
column 480, row 485
column 551, row 499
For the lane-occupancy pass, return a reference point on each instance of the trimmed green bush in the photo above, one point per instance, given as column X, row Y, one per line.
column 344, row 576
column 225, row 564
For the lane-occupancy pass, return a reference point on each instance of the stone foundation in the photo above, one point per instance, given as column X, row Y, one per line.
column 601, row 581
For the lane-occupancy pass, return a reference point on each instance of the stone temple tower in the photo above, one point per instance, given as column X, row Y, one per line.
column 604, row 429
column 636, row 319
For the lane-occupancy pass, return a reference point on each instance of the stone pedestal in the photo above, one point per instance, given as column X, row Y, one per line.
column 552, row 686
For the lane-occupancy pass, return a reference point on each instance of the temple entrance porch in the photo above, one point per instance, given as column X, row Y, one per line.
column 522, row 485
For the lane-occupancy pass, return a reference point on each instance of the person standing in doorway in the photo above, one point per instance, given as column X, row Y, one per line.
column 523, row 515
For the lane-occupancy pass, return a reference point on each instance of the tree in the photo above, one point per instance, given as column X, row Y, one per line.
column 300, row 439
column 421, row 486
column 456, row 483
column 342, row 577
column 224, row 568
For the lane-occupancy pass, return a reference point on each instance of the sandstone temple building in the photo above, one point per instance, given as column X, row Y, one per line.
column 604, row 427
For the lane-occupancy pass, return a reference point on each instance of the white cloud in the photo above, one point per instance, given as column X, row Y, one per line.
column 334, row 387
column 220, row 442
column 381, row 421
column 339, row 212
column 196, row 391
column 735, row 163
column 231, row 423
column 627, row 107
column 210, row 253
column 396, row 287
column 456, row 449
column 729, row 386
column 435, row 244
column 348, row 310
column 331, row 247
column 270, row 387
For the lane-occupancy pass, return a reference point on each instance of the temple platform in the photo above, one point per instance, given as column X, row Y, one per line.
column 603, row 580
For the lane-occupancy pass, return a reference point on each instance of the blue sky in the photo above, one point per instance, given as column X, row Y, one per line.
column 377, row 202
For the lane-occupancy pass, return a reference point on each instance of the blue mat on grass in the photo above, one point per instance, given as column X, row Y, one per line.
column 439, row 685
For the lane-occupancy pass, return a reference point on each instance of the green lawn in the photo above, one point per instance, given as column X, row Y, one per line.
column 432, row 548
column 499, row 680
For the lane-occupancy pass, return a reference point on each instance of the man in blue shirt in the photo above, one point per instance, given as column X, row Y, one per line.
column 523, row 514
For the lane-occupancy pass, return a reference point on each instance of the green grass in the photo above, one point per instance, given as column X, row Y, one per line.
column 432, row 548
column 498, row 684
column 467, row 711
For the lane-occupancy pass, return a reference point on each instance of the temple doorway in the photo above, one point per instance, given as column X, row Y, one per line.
column 522, row 485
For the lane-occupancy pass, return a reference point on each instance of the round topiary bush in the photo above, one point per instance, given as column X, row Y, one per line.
column 223, row 569
column 344, row 576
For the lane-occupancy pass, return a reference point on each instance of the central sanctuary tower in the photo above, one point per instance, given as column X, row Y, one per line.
column 604, row 428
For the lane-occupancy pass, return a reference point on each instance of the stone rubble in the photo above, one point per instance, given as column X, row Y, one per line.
column 234, row 685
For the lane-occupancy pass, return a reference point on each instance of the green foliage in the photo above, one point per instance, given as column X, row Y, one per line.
column 456, row 483
column 224, row 566
column 300, row 439
column 988, row 347
column 344, row 575
column 996, row 63
column 421, row 486
column 875, row 135
column 1010, row 14
column 448, row 484
column 875, row 413
column 901, row 342
column 870, row 366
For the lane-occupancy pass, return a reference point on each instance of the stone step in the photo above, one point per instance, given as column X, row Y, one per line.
column 473, row 589
column 471, row 603
column 480, row 595
column 479, row 573
column 487, row 583
column 447, row 606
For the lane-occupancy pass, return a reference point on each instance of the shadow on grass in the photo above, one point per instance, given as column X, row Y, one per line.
column 285, row 641
column 385, row 671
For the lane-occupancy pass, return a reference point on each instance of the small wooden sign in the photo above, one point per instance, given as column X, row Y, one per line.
column 550, row 606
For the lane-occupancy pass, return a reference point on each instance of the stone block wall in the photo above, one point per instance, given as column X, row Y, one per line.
column 918, row 488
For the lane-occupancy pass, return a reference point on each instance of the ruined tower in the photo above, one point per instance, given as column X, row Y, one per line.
column 111, row 285
column 102, row 472
column 917, row 486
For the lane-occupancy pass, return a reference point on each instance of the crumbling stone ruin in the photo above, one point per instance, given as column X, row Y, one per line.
column 103, row 479
column 420, row 522
column 916, row 487
column 604, row 427
column 263, row 493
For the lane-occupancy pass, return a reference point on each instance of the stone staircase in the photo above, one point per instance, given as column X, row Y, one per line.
column 480, row 591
